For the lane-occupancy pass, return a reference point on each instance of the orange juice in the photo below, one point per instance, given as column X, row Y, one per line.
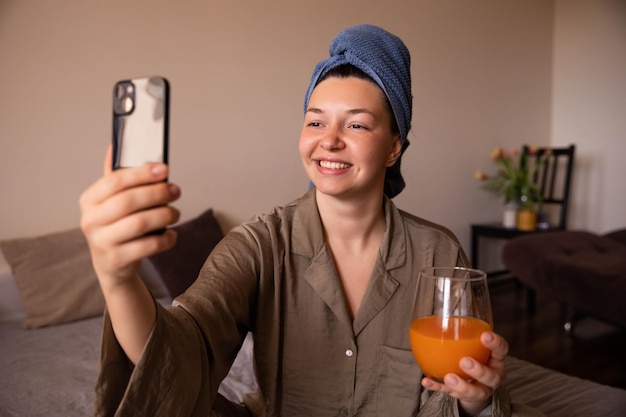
column 439, row 343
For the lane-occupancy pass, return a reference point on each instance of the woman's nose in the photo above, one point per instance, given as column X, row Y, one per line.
column 332, row 140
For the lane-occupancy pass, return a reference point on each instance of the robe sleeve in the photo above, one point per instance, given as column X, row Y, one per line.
column 173, row 377
column 191, row 347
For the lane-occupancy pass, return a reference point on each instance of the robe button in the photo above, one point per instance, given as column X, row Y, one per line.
column 349, row 353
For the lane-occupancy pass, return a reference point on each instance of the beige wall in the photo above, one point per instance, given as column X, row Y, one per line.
column 482, row 74
column 589, row 107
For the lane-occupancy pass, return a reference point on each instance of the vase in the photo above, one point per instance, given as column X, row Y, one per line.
column 509, row 216
column 526, row 220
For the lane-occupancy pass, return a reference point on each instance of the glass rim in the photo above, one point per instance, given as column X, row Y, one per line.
column 474, row 274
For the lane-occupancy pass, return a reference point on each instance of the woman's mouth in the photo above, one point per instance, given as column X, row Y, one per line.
column 333, row 165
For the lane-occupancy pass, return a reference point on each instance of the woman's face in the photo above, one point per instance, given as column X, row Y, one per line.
column 346, row 142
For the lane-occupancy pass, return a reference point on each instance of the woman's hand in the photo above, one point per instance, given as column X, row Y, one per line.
column 117, row 212
column 476, row 394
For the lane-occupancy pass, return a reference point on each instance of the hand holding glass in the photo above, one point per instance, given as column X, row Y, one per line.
column 451, row 309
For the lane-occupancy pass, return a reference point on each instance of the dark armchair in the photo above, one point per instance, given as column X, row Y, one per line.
column 583, row 270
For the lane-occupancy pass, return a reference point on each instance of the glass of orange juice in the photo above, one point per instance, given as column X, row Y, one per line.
column 451, row 309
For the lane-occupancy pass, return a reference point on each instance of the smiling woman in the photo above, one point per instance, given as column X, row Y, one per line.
column 370, row 53
column 332, row 272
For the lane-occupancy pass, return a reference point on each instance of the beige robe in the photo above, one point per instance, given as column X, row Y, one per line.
column 275, row 276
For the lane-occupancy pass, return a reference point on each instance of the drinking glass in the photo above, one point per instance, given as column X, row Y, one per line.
column 451, row 309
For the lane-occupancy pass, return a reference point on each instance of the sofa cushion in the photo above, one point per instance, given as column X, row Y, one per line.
column 179, row 266
column 55, row 278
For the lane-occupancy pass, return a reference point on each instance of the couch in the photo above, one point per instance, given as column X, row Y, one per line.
column 51, row 320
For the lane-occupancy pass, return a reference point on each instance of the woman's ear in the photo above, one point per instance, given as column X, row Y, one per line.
column 396, row 151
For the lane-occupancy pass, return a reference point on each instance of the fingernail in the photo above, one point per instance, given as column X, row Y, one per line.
column 174, row 190
column 426, row 383
column 158, row 169
column 451, row 380
column 488, row 337
column 467, row 363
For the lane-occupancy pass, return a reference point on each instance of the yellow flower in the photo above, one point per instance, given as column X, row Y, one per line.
column 496, row 154
column 481, row 176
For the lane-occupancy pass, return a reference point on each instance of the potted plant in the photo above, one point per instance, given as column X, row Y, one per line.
column 514, row 182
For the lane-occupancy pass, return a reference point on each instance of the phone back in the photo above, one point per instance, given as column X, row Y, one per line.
column 140, row 121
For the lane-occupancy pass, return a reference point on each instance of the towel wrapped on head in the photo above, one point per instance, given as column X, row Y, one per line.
column 384, row 57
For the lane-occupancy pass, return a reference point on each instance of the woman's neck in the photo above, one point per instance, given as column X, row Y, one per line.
column 353, row 224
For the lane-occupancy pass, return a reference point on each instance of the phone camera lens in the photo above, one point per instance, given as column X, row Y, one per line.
column 120, row 91
column 128, row 104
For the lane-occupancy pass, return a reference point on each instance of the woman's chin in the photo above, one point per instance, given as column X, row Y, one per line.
column 329, row 189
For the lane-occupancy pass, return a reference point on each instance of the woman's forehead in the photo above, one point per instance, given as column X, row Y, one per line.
column 353, row 91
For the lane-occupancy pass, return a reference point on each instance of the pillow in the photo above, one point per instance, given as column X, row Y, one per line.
column 179, row 266
column 151, row 278
column 55, row 278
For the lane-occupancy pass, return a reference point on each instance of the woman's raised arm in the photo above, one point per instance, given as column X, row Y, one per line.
column 118, row 212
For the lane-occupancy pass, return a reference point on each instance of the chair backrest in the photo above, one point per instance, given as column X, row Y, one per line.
column 554, row 178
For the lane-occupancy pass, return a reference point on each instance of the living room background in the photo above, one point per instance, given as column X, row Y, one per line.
column 486, row 73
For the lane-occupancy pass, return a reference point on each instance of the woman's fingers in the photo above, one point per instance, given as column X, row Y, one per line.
column 459, row 388
column 118, row 245
column 491, row 374
column 136, row 200
column 129, row 214
column 485, row 379
column 497, row 344
column 122, row 179
column 472, row 397
column 124, row 192
column 142, row 223
column 108, row 160
column 112, row 260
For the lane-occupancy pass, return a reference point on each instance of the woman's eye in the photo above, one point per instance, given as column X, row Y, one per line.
column 356, row 126
column 314, row 124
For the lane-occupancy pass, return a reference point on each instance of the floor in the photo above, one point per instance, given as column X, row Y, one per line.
column 594, row 350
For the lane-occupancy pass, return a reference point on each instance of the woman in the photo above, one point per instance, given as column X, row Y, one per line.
column 324, row 283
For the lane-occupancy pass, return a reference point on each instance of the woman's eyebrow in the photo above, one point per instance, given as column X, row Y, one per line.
column 359, row 111
column 351, row 111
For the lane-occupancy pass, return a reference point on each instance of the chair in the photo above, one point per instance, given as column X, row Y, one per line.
column 558, row 167
column 554, row 182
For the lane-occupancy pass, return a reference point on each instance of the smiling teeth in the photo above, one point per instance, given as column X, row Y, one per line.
column 333, row 165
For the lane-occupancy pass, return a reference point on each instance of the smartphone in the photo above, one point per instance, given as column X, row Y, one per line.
column 140, row 121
